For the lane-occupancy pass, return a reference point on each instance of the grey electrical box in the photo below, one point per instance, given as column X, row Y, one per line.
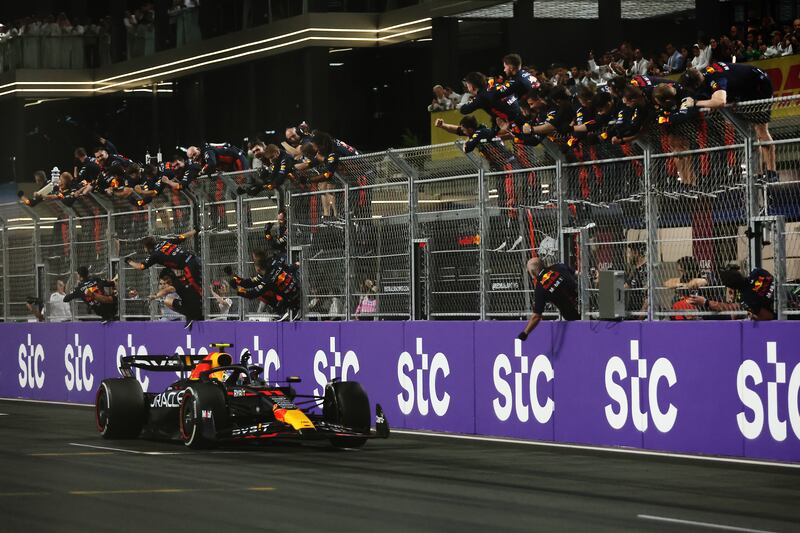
column 611, row 300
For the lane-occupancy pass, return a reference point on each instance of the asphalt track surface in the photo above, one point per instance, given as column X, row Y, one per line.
column 57, row 474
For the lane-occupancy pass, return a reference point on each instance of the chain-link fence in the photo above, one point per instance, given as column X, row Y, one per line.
column 434, row 233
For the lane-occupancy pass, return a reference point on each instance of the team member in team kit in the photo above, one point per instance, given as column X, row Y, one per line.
column 179, row 297
column 275, row 283
column 755, row 294
column 722, row 83
column 166, row 252
column 556, row 285
column 92, row 291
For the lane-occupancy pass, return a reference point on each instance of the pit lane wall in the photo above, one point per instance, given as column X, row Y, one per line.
column 719, row 388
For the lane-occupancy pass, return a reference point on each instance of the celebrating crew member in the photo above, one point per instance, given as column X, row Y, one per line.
column 91, row 291
column 497, row 105
column 556, row 285
column 517, row 81
column 218, row 157
column 274, row 282
column 755, row 293
column 733, row 82
column 166, row 252
column 179, row 297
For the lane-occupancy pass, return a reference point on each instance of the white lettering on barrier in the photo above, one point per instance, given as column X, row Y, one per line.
column 30, row 357
column 131, row 349
column 189, row 350
column 269, row 360
column 752, row 428
column 343, row 366
column 425, row 375
column 662, row 369
column 513, row 396
column 76, row 359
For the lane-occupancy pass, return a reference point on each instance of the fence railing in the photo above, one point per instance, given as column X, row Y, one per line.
column 434, row 233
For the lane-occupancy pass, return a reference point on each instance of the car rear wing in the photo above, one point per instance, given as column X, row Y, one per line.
column 159, row 363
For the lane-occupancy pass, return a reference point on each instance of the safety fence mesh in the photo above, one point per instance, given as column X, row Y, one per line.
column 433, row 232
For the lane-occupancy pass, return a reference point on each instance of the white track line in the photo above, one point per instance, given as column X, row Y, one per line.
column 700, row 524
column 46, row 401
column 3, row 414
column 630, row 451
column 137, row 452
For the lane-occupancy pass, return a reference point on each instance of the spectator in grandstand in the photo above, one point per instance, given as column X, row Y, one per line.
column 57, row 309
column 368, row 303
column 185, row 300
column 167, row 314
column 453, row 96
column 699, row 60
column 675, row 61
column 440, row 100
column 92, row 291
column 636, row 274
column 731, row 82
column 222, row 298
column 556, row 285
column 166, row 252
column 640, row 65
column 755, row 294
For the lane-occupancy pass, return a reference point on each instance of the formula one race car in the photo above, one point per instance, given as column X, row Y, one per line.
column 219, row 401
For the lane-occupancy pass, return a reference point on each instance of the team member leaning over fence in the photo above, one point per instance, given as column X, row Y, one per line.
column 166, row 252
column 275, row 283
column 556, row 285
column 721, row 83
column 178, row 297
column 755, row 294
column 92, row 291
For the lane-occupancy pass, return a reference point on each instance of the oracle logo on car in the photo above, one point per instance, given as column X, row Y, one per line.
column 269, row 360
column 517, row 396
column 132, row 349
column 750, row 370
column 76, row 358
column 662, row 369
column 31, row 365
column 415, row 390
column 344, row 366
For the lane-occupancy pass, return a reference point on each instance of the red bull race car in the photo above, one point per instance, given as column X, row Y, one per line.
column 216, row 401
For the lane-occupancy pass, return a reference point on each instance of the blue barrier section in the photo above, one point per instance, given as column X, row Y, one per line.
column 718, row 388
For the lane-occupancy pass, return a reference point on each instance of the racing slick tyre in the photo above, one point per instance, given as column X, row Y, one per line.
column 119, row 408
column 203, row 414
column 346, row 404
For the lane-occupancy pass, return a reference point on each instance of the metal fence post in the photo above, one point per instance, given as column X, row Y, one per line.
column 560, row 206
column 241, row 236
column 412, row 224
column 482, row 231
column 651, row 212
column 348, row 283
column 779, row 258
column 205, row 251
column 4, row 237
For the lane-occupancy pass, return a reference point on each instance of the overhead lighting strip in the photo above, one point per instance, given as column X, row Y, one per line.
column 193, row 59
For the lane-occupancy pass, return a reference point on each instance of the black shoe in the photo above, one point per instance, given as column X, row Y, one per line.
column 241, row 191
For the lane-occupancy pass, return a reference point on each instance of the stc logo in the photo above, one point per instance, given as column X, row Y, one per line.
column 269, row 360
column 342, row 367
column 76, row 359
column 133, row 350
column 514, row 394
column 31, row 358
column 425, row 379
column 662, row 369
column 189, row 350
column 749, row 370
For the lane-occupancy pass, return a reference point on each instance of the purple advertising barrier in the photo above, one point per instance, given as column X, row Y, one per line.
column 33, row 364
column 376, row 346
column 595, row 386
column 767, row 383
column 514, row 381
column 434, row 376
column 314, row 352
column 263, row 340
column 690, row 382
column 83, row 361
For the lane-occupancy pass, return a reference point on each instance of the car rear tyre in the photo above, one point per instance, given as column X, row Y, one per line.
column 346, row 404
column 119, row 408
column 203, row 415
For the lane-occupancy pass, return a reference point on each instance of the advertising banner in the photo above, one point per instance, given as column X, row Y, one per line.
column 715, row 388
